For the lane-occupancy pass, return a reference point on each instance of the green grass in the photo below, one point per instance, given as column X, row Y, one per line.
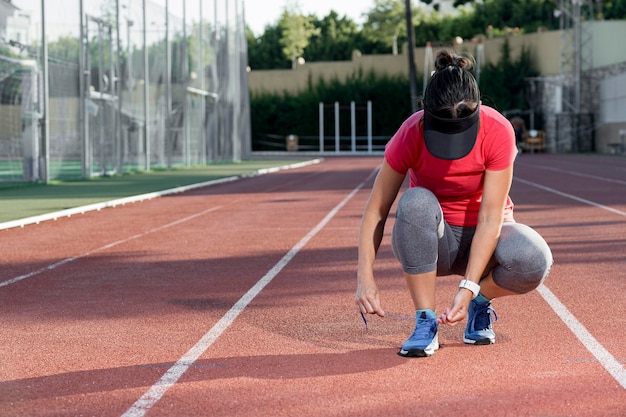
column 18, row 201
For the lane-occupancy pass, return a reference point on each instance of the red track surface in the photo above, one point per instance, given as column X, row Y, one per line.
column 131, row 309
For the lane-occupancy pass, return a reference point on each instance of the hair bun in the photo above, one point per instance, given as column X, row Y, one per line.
column 446, row 58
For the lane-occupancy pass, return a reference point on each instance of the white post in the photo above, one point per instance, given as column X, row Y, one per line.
column 146, row 89
column 321, row 127
column 45, row 122
column 353, row 125
column 369, row 126
column 336, row 126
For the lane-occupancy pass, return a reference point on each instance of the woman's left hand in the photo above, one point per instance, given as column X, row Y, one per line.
column 458, row 310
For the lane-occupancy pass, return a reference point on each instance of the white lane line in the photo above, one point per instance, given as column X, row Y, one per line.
column 105, row 247
column 603, row 356
column 572, row 197
column 154, row 394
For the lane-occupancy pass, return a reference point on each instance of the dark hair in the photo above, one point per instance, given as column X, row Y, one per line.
column 452, row 91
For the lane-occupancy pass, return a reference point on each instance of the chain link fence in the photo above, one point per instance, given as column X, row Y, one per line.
column 120, row 86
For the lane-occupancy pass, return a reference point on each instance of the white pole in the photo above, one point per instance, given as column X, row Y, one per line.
column 321, row 127
column 369, row 126
column 336, row 126
column 45, row 127
column 146, row 89
column 428, row 64
column 353, row 125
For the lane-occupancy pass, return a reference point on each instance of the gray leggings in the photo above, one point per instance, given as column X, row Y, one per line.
column 423, row 242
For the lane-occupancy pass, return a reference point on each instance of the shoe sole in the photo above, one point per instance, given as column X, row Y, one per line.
column 415, row 353
column 482, row 341
column 418, row 353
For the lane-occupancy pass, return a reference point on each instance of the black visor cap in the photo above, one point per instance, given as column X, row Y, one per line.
column 451, row 139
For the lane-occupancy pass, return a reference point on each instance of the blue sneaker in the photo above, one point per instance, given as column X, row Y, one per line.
column 424, row 341
column 478, row 330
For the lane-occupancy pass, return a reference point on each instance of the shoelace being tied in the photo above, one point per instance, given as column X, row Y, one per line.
column 482, row 316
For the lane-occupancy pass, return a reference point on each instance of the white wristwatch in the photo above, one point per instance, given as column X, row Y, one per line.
column 470, row 285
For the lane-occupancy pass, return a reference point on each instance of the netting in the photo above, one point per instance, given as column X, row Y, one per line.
column 132, row 85
column 18, row 114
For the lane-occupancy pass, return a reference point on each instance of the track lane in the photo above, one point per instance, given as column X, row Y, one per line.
column 141, row 289
column 587, row 240
column 299, row 348
column 322, row 362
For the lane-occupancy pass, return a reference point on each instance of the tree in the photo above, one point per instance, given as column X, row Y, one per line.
column 614, row 9
column 336, row 39
column 386, row 24
column 265, row 51
column 503, row 83
column 297, row 31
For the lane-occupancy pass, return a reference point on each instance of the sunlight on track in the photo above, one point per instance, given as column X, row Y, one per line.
column 105, row 247
column 154, row 394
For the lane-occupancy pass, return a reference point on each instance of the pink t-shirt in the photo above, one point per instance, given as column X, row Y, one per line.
column 457, row 184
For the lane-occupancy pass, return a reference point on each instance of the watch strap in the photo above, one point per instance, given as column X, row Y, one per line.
column 470, row 285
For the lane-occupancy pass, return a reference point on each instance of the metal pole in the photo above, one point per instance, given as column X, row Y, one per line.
column 111, row 90
column 412, row 70
column 82, row 71
column 103, row 162
column 336, row 126
column 353, row 125
column 577, row 52
column 203, row 140
column 46, row 103
column 369, row 126
column 480, row 59
column 428, row 64
column 218, row 63
column 185, row 81
column 321, row 113
column 117, row 86
column 236, row 136
column 146, row 90
column 168, row 86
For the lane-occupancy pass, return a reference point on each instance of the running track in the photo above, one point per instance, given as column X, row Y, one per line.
column 237, row 300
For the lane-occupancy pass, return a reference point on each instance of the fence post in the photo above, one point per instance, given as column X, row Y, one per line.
column 169, row 149
column 353, row 125
column 46, row 98
column 321, row 113
column 146, row 90
column 369, row 126
column 117, row 91
column 336, row 127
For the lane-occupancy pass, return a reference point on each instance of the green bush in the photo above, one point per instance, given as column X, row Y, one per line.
column 275, row 115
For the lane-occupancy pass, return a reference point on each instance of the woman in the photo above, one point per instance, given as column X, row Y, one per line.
column 456, row 217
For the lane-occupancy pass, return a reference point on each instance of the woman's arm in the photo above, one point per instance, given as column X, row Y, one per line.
column 490, row 216
column 382, row 196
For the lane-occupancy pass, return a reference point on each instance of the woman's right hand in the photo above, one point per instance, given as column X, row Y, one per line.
column 367, row 298
column 382, row 196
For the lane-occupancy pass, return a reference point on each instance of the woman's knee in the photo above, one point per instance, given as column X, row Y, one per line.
column 418, row 205
column 524, row 259
column 414, row 240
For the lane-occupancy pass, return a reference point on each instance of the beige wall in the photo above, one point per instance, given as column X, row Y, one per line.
column 608, row 48
column 544, row 46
